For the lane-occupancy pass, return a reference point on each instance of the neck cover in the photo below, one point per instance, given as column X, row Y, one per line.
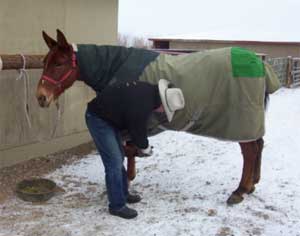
column 104, row 65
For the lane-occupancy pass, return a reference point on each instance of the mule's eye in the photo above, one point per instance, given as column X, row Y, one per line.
column 57, row 64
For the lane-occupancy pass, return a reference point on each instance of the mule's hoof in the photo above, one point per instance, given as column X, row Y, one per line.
column 252, row 190
column 234, row 199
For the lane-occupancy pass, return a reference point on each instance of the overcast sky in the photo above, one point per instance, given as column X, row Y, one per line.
column 224, row 19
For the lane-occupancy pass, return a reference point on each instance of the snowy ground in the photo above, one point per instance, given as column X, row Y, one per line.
column 184, row 186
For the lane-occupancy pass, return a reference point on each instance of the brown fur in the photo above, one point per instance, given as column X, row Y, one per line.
column 56, row 63
column 252, row 152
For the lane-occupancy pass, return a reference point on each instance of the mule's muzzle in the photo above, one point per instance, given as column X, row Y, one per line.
column 42, row 100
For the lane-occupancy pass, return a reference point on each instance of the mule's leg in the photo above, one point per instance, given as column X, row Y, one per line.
column 249, row 151
column 257, row 168
column 130, row 153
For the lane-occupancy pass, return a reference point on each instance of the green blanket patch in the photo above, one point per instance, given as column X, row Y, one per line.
column 246, row 63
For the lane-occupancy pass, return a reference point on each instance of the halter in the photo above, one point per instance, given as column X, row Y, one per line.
column 64, row 77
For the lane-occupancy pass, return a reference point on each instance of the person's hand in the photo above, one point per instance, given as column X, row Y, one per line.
column 145, row 152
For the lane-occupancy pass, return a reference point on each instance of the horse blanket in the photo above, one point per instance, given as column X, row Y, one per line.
column 224, row 89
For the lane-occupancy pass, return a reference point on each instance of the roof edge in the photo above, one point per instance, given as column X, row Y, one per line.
column 225, row 41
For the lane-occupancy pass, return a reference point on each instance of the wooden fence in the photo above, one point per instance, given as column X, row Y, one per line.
column 280, row 66
column 287, row 69
column 295, row 72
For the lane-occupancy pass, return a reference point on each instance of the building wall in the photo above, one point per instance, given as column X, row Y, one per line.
column 21, row 23
column 270, row 50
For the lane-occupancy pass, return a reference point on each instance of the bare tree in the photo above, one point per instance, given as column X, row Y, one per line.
column 137, row 42
column 140, row 42
column 123, row 40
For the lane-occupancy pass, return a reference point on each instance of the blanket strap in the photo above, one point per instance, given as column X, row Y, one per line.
column 195, row 117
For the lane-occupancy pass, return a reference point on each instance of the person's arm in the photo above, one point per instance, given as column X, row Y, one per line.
column 140, row 104
column 137, row 128
column 138, row 133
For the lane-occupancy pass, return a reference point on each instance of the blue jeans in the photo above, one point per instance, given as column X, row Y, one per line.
column 109, row 145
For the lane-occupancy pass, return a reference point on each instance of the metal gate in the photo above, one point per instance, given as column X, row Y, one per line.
column 295, row 72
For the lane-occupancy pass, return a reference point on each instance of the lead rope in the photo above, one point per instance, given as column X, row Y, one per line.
column 58, row 116
column 24, row 75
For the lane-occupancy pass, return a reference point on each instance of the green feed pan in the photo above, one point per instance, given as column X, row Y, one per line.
column 35, row 190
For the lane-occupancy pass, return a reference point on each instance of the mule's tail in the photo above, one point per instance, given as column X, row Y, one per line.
column 266, row 101
column 272, row 83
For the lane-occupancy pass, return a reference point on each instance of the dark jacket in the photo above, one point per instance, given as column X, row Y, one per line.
column 128, row 106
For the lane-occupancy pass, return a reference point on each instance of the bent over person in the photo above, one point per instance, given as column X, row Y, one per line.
column 126, row 106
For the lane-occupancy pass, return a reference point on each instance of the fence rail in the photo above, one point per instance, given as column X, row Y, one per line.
column 19, row 61
column 295, row 73
column 287, row 68
column 279, row 65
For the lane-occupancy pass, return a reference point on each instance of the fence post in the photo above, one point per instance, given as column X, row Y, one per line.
column 289, row 79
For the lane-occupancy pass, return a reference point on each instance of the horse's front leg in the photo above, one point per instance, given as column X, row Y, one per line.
column 130, row 153
column 250, row 156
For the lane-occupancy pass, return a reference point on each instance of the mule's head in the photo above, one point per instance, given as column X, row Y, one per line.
column 60, row 70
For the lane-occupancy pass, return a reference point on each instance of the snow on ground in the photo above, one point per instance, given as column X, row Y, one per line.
column 184, row 186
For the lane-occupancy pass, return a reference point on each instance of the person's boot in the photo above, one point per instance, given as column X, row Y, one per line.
column 133, row 198
column 125, row 212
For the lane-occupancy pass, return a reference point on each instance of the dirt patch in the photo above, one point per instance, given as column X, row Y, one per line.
column 37, row 167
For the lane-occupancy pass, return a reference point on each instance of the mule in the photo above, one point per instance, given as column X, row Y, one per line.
column 63, row 65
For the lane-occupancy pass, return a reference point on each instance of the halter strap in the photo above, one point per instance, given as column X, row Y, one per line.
column 65, row 76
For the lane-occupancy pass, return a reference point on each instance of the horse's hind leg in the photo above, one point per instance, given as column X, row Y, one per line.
column 257, row 168
column 250, row 156
column 257, row 165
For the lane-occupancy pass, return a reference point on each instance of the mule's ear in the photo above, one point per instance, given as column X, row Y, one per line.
column 61, row 39
column 49, row 41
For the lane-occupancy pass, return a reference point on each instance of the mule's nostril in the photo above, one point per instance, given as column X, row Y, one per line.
column 42, row 99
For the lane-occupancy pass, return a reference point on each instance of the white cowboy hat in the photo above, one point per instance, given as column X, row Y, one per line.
column 172, row 98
